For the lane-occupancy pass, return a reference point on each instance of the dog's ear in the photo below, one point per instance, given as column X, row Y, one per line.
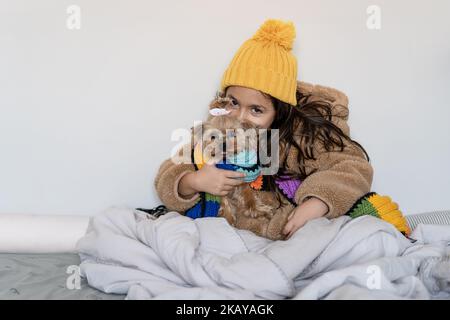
column 219, row 101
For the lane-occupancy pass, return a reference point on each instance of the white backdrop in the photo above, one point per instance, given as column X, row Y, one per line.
column 86, row 114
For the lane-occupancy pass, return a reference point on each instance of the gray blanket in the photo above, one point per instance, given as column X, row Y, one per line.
column 175, row 257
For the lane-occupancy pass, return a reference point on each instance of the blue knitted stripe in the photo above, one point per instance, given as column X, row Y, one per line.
column 212, row 206
column 227, row 166
column 195, row 211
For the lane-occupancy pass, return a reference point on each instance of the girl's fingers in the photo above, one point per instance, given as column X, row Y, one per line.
column 287, row 228
column 294, row 230
column 233, row 182
column 291, row 215
column 223, row 193
column 227, row 188
column 290, row 235
column 234, row 174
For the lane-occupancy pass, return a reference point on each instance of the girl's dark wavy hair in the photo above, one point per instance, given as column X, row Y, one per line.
column 314, row 118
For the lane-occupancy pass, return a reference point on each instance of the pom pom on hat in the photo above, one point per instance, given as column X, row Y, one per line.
column 278, row 32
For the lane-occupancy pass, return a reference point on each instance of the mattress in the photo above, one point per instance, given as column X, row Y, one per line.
column 440, row 217
column 45, row 277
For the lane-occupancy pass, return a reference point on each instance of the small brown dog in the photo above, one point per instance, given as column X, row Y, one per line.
column 244, row 207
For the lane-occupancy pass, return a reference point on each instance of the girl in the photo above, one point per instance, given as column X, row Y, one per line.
column 315, row 146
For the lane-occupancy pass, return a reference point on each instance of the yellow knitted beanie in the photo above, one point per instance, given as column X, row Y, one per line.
column 265, row 62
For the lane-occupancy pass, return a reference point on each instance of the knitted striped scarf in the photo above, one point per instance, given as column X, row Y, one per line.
column 208, row 205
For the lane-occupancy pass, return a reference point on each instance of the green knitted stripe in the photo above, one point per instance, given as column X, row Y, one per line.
column 211, row 197
column 364, row 208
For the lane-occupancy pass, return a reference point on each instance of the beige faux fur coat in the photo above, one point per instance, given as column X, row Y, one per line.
column 340, row 180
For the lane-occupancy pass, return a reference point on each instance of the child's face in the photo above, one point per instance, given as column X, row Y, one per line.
column 250, row 105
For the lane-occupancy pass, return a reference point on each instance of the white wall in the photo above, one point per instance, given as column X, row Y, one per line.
column 86, row 115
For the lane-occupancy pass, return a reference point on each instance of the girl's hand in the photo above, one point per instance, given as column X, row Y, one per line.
column 310, row 209
column 210, row 179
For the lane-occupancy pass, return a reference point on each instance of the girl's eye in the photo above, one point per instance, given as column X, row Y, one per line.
column 257, row 110
column 233, row 103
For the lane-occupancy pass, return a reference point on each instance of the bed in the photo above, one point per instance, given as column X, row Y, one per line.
column 44, row 277
column 50, row 275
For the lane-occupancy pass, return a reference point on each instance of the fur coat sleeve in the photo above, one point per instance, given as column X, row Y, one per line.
column 341, row 177
column 166, row 185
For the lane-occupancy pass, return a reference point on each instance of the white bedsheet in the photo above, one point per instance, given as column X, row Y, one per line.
column 175, row 257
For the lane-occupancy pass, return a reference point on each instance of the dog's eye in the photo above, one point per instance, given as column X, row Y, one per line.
column 233, row 103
